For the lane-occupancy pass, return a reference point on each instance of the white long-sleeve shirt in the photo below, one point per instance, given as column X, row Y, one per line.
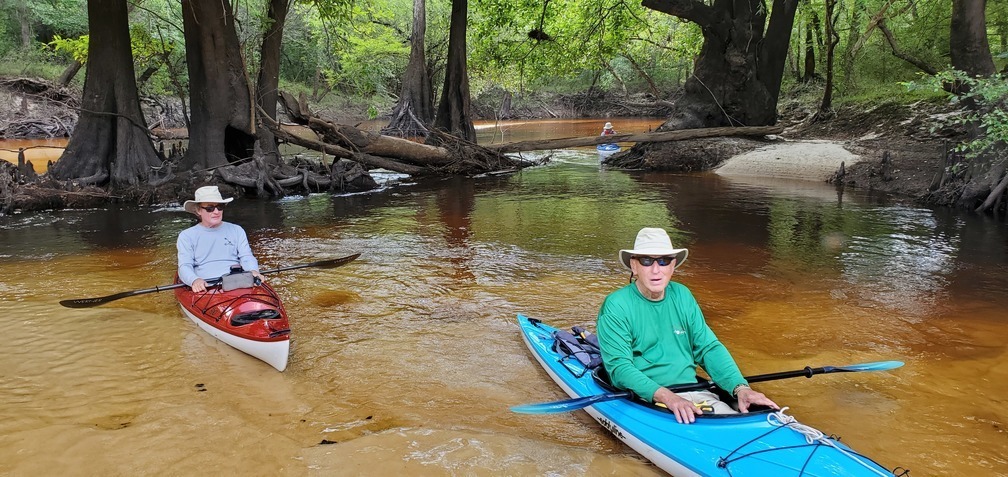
column 206, row 253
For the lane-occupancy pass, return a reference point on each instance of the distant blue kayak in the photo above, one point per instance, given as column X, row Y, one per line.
column 608, row 147
column 762, row 443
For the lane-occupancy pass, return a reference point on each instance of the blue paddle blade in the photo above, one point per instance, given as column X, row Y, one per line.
column 566, row 405
column 876, row 366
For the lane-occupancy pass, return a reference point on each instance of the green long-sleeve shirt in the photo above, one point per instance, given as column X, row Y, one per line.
column 648, row 344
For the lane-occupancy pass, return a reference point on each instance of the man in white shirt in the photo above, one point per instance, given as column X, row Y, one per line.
column 210, row 248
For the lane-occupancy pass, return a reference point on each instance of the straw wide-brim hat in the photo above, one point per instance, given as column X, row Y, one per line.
column 205, row 194
column 653, row 242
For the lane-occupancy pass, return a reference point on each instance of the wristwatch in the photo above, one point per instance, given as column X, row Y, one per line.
column 735, row 391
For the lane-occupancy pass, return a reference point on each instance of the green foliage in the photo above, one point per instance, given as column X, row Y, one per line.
column 988, row 108
column 564, row 45
column 46, row 19
column 76, row 48
column 370, row 66
column 9, row 32
column 157, row 42
column 30, row 63
column 883, row 92
column 920, row 29
column 357, row 51
column 59, row 17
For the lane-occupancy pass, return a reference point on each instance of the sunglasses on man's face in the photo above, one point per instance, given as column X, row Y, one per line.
column 662, row 261
column 211, row 208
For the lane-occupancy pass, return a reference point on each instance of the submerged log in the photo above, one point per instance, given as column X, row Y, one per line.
column 660, row 136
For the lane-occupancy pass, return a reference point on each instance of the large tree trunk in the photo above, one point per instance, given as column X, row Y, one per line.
column 832, row 39
column 853, row 28
column 21, row 11
column 454, row 115
column 738, row 74
column 222, row 128
column 810, row 62
column 970, row 52
column 110, row 142
column 269, row 73
column 415, row 109
column 969, row 48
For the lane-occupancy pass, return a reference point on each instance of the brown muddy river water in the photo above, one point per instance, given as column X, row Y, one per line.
column 407, row 360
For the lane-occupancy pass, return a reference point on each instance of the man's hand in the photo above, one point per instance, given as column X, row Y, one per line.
column 685, row 411
column 198, row 285
column 746, row 397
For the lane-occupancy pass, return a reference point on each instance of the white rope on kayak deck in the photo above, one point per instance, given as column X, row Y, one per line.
column 813, row 435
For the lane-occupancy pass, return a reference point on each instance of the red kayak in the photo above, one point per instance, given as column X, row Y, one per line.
column 251, row 320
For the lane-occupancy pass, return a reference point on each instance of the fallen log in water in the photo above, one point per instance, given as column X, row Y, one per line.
column 442, row 154
column 661, row 136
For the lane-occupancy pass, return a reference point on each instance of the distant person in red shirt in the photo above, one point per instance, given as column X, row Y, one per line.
column 607, row 130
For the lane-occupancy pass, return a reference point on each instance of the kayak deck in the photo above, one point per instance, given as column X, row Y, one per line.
column 251, row 320
column 760, row 443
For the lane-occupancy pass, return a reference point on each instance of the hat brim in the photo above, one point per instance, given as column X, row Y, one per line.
column 679, row 253
column 191, row 205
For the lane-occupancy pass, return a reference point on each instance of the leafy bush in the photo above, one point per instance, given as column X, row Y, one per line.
column 987, row 99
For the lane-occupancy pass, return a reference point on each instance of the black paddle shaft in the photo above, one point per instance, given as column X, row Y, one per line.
column 90, row 302
column 808, row 372
column 331, row 263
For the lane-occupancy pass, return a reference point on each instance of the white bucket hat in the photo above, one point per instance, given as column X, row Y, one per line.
column 653, row 242
column 205, row 194
column 607, row 126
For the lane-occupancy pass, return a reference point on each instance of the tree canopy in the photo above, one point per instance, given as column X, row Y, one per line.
column 720, row 62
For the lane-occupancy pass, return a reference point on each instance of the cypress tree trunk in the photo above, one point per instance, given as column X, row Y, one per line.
column 738, row 74
column 415, row 109
column 453, row 115
column 110, row 142
column 269, row 74
column 222, row 128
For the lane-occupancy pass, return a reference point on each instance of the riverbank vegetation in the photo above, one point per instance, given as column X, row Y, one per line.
column 120, row 75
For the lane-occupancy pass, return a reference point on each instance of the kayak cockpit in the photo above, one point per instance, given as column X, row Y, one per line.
column 580, row 354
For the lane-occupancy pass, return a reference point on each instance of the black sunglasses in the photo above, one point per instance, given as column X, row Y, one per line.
column 648, row 261
column 210, row 208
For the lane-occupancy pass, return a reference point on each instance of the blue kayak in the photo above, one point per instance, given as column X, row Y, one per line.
column 608, row 147
column 760, row 443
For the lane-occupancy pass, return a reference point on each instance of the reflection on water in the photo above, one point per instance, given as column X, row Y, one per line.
column 39, row 151
column 407, row 359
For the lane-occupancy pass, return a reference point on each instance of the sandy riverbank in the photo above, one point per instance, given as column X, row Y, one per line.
column 799, row 160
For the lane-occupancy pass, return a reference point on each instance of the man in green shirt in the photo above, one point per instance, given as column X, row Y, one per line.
column 653, row 335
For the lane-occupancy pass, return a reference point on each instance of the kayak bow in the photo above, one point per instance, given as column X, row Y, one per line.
column 251, row 320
